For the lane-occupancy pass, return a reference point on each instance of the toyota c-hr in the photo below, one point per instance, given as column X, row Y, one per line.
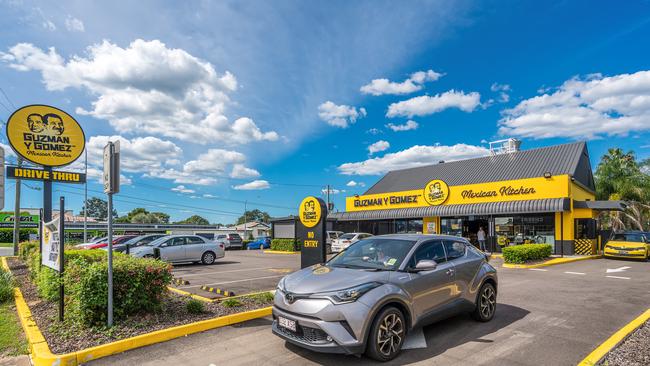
column 368, row 297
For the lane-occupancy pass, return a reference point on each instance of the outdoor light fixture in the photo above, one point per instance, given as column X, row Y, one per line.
column 356, row 196
column 547, row 175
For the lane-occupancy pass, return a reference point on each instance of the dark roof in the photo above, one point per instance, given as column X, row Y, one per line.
column 601, row 205
column 572, row 159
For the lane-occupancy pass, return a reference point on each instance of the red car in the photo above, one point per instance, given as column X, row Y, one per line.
column 116, row 240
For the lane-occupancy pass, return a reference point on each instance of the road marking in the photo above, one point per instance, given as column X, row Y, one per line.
column 230, row 271
column 537, row 269
column 620, row 278
column 575, row 273
column 619, row 269
column 226, row 282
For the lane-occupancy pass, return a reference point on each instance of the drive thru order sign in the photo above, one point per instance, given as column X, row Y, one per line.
column 50, row 252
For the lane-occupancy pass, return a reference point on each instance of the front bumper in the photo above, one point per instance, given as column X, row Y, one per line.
column 616, row 253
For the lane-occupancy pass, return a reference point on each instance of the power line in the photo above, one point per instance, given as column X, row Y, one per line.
column 6, row 97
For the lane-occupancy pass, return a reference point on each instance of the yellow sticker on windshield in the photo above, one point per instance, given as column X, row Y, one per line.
column 391, row 261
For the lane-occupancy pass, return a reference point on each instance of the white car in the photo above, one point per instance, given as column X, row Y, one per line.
column 346, row 240
column 331, row 236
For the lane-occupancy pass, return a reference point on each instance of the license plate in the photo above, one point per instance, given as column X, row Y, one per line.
column 622, row 252
column 287, row 323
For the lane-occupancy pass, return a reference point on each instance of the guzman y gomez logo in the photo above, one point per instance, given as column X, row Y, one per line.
column 45, row 135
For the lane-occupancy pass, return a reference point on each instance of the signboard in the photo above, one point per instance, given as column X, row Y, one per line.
column 111, row 175
column 50, row 252
column 311, row 231
column 27, row 220
column 45, row 135
column 2, row 178
column 436, row 192
column 14, row 172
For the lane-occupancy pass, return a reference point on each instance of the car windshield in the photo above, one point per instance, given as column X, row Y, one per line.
column 373, row 253
column 347, row 236
column 633, row 237
column 157, row 241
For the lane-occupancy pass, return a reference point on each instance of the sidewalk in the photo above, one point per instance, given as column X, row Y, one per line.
column 6, row 252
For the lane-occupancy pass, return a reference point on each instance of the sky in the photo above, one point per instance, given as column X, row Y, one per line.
column 222, row 106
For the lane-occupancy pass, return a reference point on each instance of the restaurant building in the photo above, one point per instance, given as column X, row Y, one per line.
column 544, row 195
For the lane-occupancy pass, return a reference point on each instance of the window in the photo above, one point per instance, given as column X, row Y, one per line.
column 454, row 249
column 194, row 240
column 178, row 241
column 633, row 237
column 431, row 250
column 374, row 253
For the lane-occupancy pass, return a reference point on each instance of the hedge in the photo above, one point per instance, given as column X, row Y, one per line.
column 7, row 234
column 6, row 285
column 284, row 245
column 526, row 252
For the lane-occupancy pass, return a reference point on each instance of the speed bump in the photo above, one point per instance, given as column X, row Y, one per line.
column 179, row 281
column 217, row 291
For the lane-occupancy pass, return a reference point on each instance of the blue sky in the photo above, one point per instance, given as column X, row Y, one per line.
column 217, row 104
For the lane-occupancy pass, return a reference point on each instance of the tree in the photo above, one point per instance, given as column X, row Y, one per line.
column 140, row 215
column 254, row 215
column 98, row 208
column 194, row 220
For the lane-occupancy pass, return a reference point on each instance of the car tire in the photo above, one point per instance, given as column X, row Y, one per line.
column 387, row 335
column 486, row 303
column 208, row 258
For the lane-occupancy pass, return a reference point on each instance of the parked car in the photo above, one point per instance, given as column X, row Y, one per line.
column 182, row 248
column 331, row 236
column 263, row 242
column 138, row 241
column 628, row 244
column 369, row 297
column 118, row 239
column 346, row 240
column 232, row 240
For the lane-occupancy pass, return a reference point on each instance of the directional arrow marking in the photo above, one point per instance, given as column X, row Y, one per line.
column 619, row 269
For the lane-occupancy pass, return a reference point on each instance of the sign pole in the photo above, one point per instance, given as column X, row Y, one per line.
column 110, row 259
column 111, row 179
column 17, row 211
column 61, row 255
column 47, row 197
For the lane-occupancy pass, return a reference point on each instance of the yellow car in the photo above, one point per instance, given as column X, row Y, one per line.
column 629, row 244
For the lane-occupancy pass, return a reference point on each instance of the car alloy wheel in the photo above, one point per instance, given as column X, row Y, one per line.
column 390, row 335
column 208, row 258
column 486, row 303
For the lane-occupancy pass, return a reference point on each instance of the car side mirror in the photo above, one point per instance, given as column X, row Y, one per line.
column 425, row 265
column 163, row 245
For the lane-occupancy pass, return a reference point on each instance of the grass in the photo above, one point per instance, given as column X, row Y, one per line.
column 231, row 303
column 6, row 245
column 12, row 339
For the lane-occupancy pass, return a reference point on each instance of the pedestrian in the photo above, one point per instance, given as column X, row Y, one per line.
column 480, row 235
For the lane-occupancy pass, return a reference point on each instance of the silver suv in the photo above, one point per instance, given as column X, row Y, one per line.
column 368, row 297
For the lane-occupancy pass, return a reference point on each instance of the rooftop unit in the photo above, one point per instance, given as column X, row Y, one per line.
column 505, row 146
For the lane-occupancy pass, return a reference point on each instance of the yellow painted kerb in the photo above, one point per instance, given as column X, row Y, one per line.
column 279, row 252
column 552, row 262
column 596, row 355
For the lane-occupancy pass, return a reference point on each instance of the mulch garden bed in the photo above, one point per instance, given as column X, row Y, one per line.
column 634, row 351
column 69, row 336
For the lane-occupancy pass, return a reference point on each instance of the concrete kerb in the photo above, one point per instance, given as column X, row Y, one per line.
column 551, row 262
column 617, row 338
column 41, row 354
column 279, row 252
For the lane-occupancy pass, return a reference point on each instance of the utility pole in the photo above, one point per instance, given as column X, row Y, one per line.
column 17, row 211
column 328, row 196
column 245, row 219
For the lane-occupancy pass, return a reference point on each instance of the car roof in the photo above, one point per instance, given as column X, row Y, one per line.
column 418, row 237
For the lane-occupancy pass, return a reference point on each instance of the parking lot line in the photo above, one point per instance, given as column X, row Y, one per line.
column 227, row 282
column 232, row 270
column 537, row 269
column 575, row 273
column 620, row 278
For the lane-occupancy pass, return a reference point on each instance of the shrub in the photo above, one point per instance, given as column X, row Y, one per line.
column 526, row 252
column 262, row 298
column 194, row 306
column 26, row 247
column 6, row 285
column 284, row 245
column 7, row 234
column 231, row 303
column 138, row 285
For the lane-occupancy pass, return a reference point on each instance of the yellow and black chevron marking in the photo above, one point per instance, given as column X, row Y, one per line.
column 179, row 281
column 217, row 291
column 585, row 246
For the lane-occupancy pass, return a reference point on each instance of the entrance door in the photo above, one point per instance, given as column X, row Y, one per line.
column 471, row 226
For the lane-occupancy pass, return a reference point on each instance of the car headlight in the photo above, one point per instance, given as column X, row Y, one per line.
column 281, row 285
column 347, row 295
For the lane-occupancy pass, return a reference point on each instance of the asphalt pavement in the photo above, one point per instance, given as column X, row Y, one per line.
column 5, row 252
column 549, row 316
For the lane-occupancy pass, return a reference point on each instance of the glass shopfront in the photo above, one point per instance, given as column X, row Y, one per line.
column 381, row 227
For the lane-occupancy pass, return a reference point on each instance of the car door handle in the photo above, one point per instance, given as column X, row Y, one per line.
column 450, row 272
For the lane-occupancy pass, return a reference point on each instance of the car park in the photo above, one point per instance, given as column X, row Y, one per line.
column 231, row 240
column 346, row 240
column 263, row 242
column 331, row 236
column 135, row 242
column 117, row 240
column 182, row 248
column 628, row 244
column 367, row 298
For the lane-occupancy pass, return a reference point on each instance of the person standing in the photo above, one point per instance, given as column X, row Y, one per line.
column 480, row 235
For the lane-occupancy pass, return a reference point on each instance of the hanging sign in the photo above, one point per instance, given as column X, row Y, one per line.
column 45, row 135
column 14, row 172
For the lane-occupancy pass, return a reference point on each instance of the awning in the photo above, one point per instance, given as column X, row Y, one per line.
column 601, row 205
column 488, row 208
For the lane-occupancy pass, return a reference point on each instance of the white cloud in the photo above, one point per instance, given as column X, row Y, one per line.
column 254, row 185
column 378, row 146
column 503, row 90
column 146, row 88
column 183, row 189
column 374, row 131
column 73, row 24
column 410, row 85
column 355, row 184
column 49, row 25
column 140, row 154
column 412, row 157
column 208, row 195
column 239, row 171
column 589, row 107
column 97, row 174
column 8, row 150
column 339, row 115
column 426, row 105
column 409, row 125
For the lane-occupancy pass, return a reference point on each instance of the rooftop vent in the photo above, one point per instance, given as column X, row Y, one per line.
column 505, row 146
